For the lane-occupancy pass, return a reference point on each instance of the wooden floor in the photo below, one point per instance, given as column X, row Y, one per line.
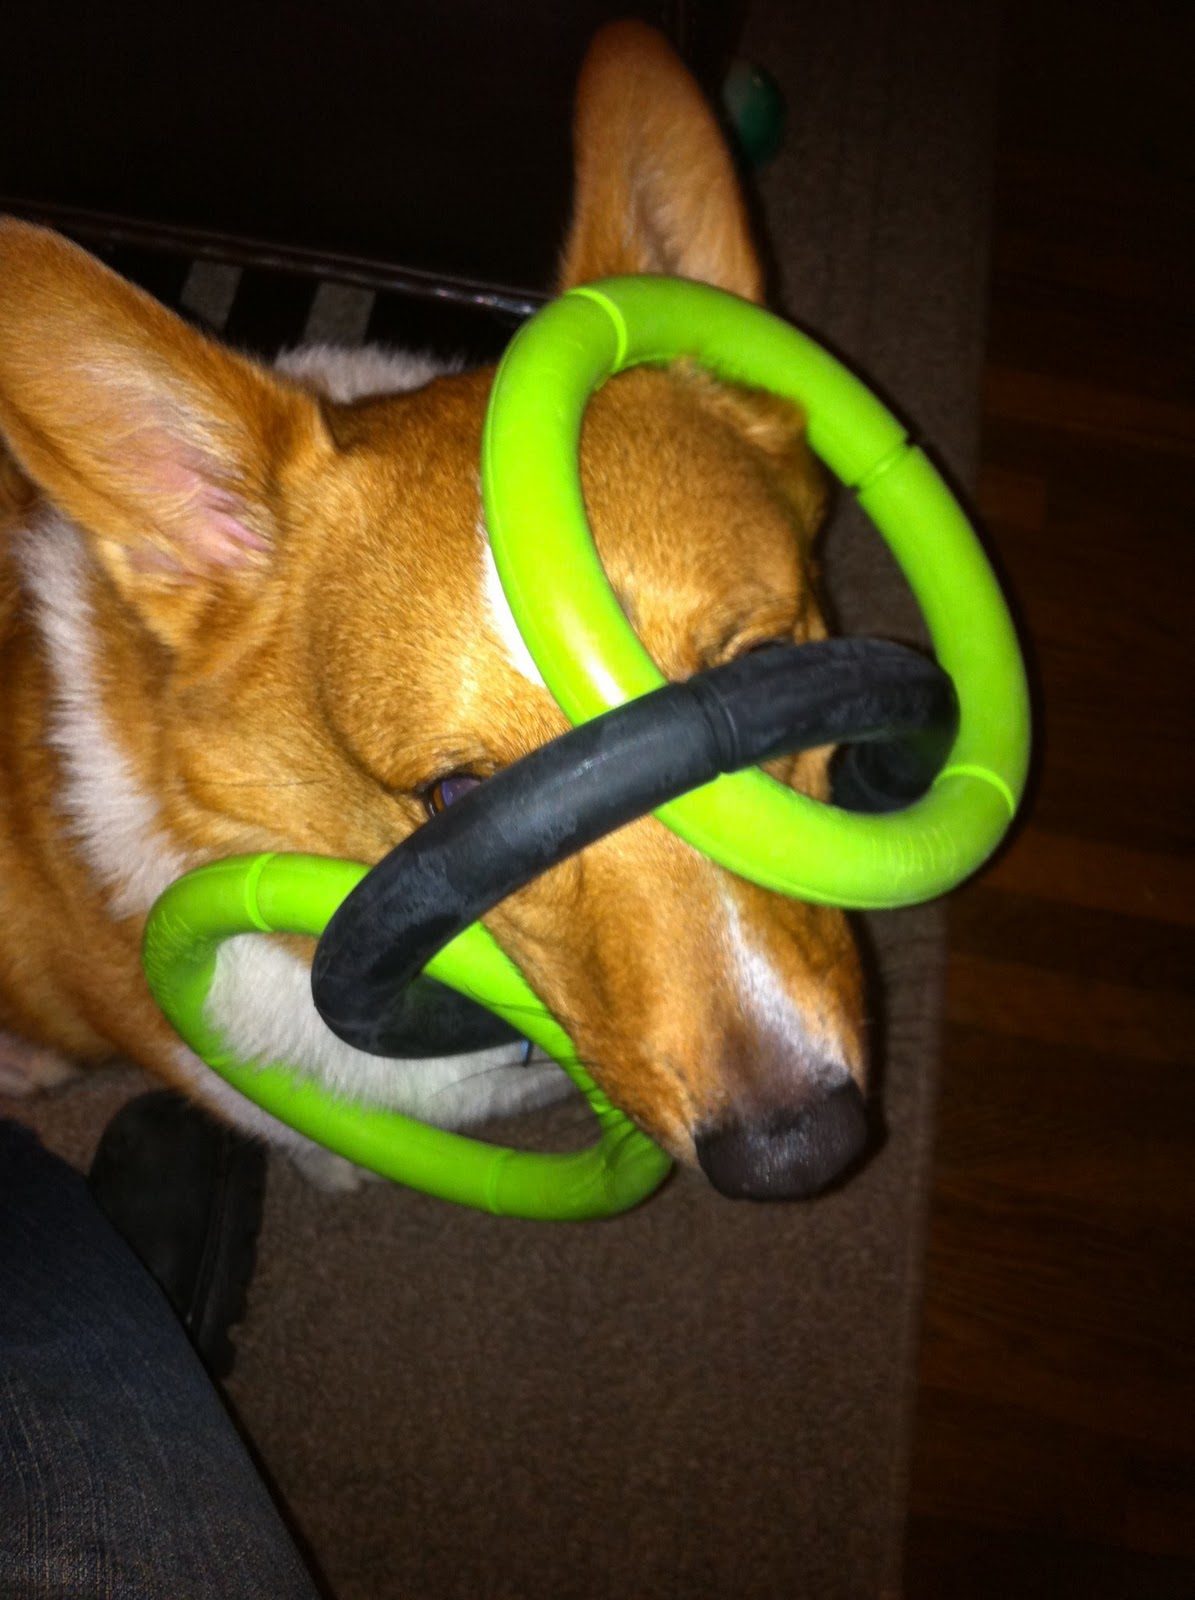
column 1055, row 1436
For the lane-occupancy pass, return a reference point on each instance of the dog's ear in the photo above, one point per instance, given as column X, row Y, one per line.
column 167, row 449
column 655, row 188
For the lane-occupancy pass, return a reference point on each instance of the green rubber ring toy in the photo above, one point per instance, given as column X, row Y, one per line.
column 592, row 661
column 298, row 894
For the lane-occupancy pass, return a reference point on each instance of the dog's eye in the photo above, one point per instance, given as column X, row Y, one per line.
column 445, row 792
column 767, row 644
column 736, row 645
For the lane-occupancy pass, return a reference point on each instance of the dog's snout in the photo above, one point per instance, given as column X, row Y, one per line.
column 786, row 1156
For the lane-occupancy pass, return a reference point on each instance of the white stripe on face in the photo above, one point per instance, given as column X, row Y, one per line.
column 501, row 617
column 766, row 999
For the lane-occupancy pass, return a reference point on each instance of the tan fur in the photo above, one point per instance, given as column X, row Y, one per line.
column 295, row 646
column 655, row 185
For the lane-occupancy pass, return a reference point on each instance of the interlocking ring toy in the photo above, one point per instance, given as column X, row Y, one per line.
column 941, row 750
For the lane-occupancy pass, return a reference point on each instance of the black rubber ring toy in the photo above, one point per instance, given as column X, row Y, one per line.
column 894, row 710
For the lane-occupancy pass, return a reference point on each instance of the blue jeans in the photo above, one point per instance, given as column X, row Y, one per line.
column 120, row 1473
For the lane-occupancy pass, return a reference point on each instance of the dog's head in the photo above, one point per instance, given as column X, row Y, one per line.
column 307, row 637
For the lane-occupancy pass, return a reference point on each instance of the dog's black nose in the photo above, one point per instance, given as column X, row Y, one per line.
column 790, row 1156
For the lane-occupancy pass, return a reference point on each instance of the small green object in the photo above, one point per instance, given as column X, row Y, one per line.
column 298, row 894
column 592, row 661
column 752, row 100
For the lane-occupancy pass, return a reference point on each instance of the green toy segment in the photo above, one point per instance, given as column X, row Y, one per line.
column 591, row 659
column 298, row 894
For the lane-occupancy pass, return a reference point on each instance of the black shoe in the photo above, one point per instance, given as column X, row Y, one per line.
column 186, row 1194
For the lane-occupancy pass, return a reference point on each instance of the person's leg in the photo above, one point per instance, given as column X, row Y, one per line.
column 120, row 1472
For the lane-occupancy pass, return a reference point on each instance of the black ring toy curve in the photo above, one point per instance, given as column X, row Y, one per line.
column 894, row 709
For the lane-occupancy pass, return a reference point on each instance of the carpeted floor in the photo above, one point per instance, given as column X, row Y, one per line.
column 704, row 1397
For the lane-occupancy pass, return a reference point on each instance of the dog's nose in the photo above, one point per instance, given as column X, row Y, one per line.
column 789, row 1156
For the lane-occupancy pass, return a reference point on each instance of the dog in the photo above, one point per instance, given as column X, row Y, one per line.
column 248, row 609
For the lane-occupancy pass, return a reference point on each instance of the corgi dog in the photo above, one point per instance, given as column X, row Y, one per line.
column 247, row 609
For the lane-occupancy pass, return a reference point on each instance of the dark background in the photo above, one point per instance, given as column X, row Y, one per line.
column 328, row 127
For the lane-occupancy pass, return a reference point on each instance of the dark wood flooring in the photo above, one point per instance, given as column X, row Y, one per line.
column 1055, row 1433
